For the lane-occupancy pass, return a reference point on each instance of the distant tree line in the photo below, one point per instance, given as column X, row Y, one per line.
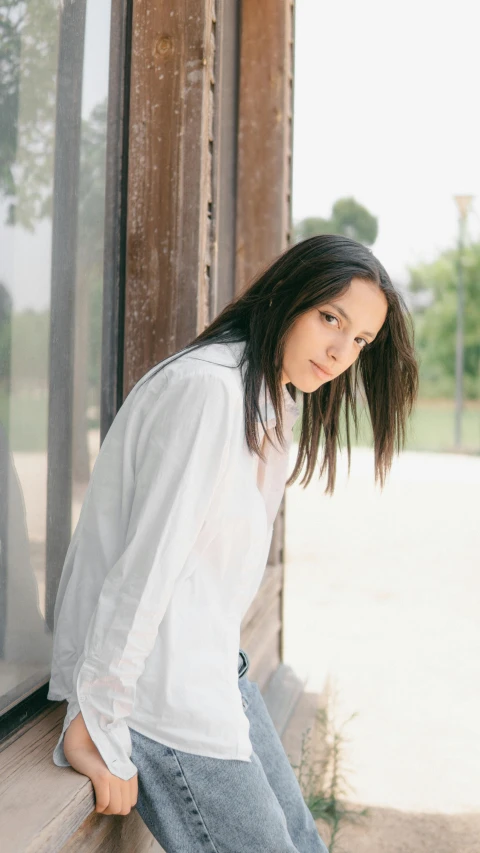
column 348, row 217
column 436, row 321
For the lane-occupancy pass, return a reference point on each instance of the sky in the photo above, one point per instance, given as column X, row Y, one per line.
column 386, row 111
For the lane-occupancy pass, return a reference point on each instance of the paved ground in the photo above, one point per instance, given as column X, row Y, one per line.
column 383, row 597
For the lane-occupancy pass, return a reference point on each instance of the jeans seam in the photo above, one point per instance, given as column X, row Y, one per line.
column 214, row 848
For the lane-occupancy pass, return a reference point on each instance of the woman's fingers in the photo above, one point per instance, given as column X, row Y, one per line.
column 133, row 783
column 101, row 786
column 115, row 804
column 114, row 795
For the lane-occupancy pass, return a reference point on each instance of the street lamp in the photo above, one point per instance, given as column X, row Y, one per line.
column 463, row 204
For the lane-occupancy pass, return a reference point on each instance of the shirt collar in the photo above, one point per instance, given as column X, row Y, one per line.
column 232, row 352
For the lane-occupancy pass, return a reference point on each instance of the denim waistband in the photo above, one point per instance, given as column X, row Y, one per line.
column 243, row 663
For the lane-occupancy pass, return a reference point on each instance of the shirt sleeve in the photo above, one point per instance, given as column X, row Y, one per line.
column 181, row 455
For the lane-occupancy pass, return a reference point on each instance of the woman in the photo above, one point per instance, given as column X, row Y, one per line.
column 173, row 540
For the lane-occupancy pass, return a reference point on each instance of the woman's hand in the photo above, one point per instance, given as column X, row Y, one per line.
column 112, row 794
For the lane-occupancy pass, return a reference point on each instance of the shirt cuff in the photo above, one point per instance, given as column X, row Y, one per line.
column 110, row 734
column 59, row 758
column 118, row 762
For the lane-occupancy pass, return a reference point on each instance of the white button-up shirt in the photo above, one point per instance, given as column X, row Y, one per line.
column 168, row 553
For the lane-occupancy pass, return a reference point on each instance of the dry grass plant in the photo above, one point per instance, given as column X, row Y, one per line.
column 322, row 771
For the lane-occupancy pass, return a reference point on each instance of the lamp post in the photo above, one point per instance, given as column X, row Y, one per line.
column 463, row 204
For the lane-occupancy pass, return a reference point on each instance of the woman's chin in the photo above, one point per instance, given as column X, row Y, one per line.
column 307, row 385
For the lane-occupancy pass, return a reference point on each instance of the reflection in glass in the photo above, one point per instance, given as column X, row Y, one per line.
column 53, row 66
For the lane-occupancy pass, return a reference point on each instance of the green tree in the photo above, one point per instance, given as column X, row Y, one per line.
column 434, row 290
column 28, row 66
column 348, row 217
column 310, row 227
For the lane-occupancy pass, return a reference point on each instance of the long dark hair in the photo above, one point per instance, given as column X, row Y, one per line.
column 308, row 274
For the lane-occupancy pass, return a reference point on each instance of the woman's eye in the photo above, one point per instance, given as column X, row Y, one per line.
column 328, row 317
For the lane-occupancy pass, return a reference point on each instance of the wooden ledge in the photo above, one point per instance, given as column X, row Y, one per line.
column 45, row 808
column 282, row 694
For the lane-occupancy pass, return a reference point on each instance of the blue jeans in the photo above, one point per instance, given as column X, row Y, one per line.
column 197, row 804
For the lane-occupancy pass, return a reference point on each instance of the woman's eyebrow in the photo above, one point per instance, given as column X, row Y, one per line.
column 347, row 318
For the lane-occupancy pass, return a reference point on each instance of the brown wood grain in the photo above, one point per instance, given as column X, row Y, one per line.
column 269, row 588
column 266, row 659
column 180, row 141
column 34, row 792
column 264, row 136
column 45, row 808
column 113, row 834
column 264, row 176
column 169, row 181
column 267, row 621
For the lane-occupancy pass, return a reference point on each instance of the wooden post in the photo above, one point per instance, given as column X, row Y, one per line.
column 263, row 231
column 209, row 177
column 264, row 137
column 169, row 180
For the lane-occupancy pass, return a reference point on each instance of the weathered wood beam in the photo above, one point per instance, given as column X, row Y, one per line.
column 169, row 180
column 264, row 136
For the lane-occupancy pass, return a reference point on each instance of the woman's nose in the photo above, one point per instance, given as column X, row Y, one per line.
column 338, row 352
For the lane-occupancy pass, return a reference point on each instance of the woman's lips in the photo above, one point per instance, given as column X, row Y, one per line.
column 320, row 371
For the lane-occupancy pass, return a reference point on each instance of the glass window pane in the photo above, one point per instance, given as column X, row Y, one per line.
column 53, row 109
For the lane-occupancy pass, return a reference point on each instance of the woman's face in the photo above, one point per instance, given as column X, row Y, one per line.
column 332, row 335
